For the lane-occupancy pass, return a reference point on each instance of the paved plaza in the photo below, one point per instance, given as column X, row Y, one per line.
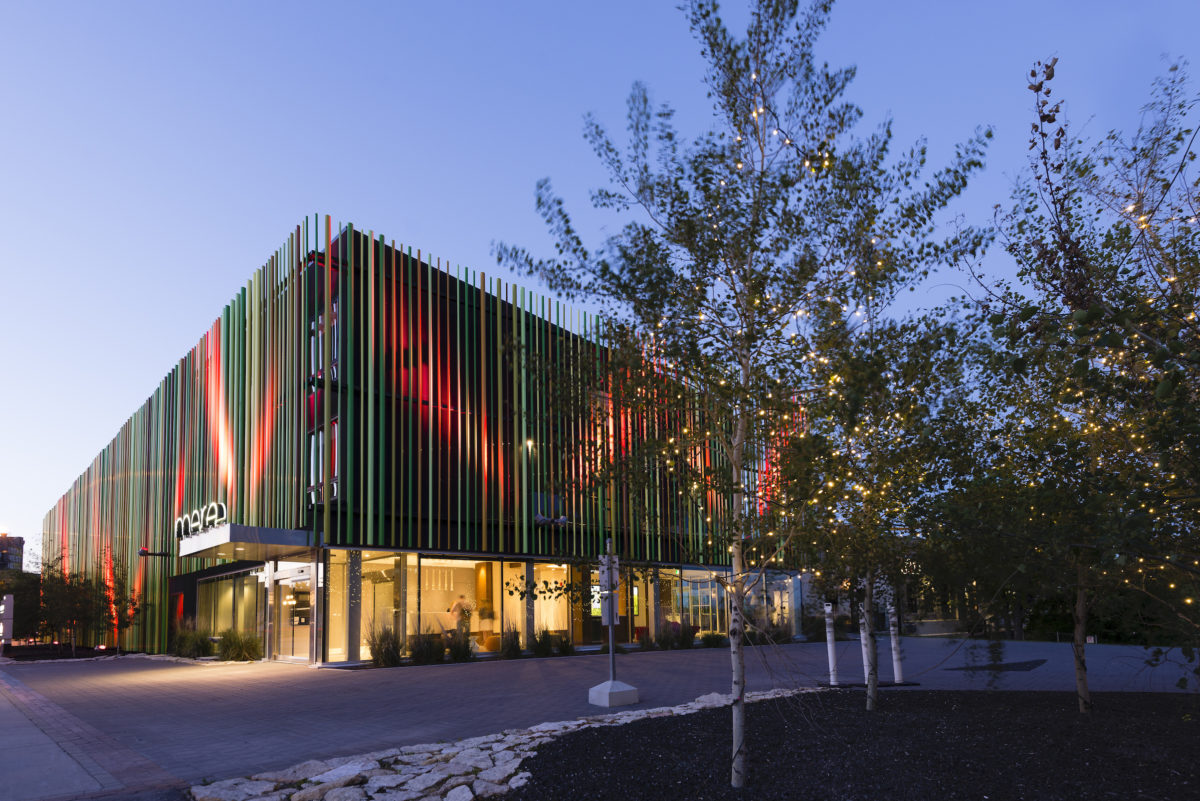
column 142, row 728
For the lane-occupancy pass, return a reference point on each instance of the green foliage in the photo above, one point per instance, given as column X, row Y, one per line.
column 645, row 641
column 427, row 649
column 384, row 644
column 713, row 639
column 769, row 633
column 460, row 646
column 510, row 644
column 543, row 643
column 563, row 645
column 71, row 605
column 675, row 635
column 239, row 646
column 190, row 642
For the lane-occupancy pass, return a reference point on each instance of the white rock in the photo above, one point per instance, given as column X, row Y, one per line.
column 422, row 748
column 484, row 789
column 520, row 780
column 474, row 757
column 377, row 783
column 424, row 781
column 455, row 781
column 346, row 794
column 231, row 790
column 711, row 700
column 500, row 757
column 347, row 769
column 460, row 793
column 398, row 795
column 390, row 753
column 305, row 770
column 456, row 768
column 501, row 772
column 478, row 741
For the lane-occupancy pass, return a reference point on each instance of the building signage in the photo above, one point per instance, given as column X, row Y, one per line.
column 197, row 520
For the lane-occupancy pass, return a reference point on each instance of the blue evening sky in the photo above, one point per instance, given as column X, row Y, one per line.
column 155, row 154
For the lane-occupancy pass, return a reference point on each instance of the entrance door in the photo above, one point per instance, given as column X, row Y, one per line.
column 293, row 617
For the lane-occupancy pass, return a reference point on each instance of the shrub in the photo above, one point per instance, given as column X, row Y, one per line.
column 237, row 646
column 769, row 633
column 543, row 643
column 460, row 646
column 620, row 648
column 713, row 639
column 667, row 635
column 427, row 648
column 687, row 635
column 190, row 642
column 510, row 644
column 384, row 644
column 644, row 640
column 563, row 645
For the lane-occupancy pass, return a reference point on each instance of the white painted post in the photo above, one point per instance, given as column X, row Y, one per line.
column 897, row 669
column 833, row 677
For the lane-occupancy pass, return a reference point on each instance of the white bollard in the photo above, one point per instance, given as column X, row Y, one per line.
column 833, row 680
column 897, row 669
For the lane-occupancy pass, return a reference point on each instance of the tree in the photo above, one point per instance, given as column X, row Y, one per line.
column 1107, row 243
column 121, row 602
column 71, row 603
column 736, row 262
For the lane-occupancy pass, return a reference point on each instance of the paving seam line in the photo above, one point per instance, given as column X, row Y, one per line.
column 113, row 765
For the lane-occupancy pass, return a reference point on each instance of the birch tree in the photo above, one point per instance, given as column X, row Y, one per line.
column 737, row 262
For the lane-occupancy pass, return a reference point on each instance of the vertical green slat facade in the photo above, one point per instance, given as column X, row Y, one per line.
column 370, row 397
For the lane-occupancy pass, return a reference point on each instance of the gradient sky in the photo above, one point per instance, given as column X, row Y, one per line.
column 155, row 154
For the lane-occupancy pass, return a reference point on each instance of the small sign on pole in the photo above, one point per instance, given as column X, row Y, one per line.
column 610, row 587
column 611, row 692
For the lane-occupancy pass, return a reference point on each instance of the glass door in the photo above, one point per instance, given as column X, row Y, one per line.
column 293, row 616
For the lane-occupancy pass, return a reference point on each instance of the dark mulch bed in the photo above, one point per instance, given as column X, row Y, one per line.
column 926, row 745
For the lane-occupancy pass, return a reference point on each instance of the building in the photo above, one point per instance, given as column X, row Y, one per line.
column 353, row 443
column 12, row 552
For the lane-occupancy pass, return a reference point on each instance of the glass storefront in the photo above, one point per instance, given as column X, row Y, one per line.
column 442, row 595
column 231, row 602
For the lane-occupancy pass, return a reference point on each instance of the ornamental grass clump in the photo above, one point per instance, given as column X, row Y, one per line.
column 510, row 644
column 239, row 646
column 384, row 645
column 191, row 642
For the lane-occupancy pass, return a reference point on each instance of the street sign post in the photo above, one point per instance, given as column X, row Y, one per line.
column 611, row 692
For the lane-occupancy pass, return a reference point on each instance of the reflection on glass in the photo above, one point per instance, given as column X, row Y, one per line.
column 292, row 617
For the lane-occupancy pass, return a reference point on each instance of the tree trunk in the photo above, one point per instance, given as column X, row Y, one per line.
column 1078, row 641
column 1018, row 620
column 737, row 655
column 868, row 616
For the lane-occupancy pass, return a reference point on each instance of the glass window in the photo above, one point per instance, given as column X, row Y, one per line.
column 512, row 604
column 385, row 577
column 338, row 603
column 549, row 612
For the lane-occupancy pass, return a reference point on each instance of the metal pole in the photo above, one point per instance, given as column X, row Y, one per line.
column 833, row 677
column 612, row 612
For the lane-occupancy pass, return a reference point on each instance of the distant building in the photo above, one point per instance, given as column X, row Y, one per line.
column 12, row 552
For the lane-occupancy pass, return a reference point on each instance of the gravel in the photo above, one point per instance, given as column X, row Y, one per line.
column 920, row 745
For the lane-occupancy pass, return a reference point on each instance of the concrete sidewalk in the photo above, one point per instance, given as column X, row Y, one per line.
column 132, row 726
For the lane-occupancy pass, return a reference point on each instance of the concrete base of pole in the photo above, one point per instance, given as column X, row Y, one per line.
column 612, row 693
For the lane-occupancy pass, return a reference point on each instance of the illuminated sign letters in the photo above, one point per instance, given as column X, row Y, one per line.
column 197, row 520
